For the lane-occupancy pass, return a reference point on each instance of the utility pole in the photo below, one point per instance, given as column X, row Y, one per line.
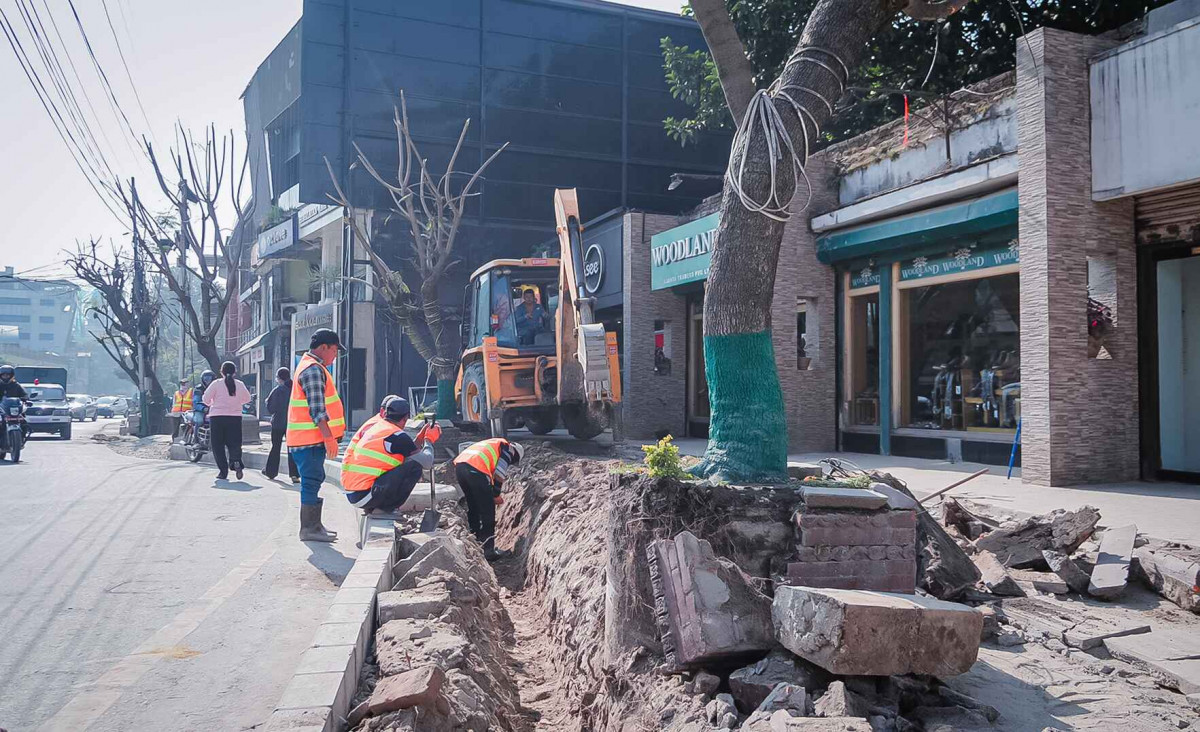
column 139, row 305
column 183, row 275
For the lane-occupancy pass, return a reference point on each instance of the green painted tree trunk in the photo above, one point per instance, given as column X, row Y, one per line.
column 748, row 430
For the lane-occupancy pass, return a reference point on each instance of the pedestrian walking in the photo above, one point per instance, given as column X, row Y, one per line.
column 382, row 463
column 225, row 401
column 277, row 407
column 315, row 423
column 481, row 470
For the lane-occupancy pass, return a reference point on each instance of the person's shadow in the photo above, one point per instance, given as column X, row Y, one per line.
column 240, row 486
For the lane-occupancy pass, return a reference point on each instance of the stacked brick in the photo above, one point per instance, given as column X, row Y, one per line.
column 856, row 550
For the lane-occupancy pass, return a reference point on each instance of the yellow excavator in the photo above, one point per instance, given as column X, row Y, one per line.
column 533, row 352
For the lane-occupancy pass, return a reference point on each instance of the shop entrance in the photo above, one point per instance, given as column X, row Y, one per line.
column 1172, row 401
column 697, row 383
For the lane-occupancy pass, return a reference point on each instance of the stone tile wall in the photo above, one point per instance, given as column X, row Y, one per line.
column 1080, row 414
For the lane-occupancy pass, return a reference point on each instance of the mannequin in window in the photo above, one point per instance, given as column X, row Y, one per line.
column 531, row 318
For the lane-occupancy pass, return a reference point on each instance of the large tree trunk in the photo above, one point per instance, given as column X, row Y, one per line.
column 748, row 432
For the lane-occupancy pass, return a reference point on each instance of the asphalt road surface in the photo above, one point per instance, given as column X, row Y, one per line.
column 140, row 594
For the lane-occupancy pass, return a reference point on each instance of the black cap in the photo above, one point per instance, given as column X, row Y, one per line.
column 394, row 408
column 325, row 337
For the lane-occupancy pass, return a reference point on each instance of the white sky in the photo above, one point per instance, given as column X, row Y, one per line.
column 190, row 62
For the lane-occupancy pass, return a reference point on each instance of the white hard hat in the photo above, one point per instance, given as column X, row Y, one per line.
column 520, row 451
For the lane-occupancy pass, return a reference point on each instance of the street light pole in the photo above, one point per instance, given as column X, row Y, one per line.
column 183, row 277
column 139, row 304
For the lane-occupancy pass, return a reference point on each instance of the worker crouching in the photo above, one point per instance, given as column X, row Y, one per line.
column 382, row 465
column 481, row 470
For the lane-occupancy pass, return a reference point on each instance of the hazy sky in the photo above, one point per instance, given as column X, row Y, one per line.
column 189, row 61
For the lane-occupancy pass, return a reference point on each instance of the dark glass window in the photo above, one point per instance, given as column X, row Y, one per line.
column 417, row 39
column 547, row 57
column 425, row 78
column 531, row 91
column 579, row 135
column 569, row 25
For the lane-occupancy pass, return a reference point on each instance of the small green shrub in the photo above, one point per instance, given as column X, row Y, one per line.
column 662, row 460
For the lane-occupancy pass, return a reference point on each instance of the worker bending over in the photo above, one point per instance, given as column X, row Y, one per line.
column 481, row 470
column 382, row 465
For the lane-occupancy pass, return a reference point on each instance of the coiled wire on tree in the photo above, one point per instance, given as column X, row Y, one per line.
column 762, row 114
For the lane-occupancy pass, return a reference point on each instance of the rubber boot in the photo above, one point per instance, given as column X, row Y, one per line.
column 310, row 524
column 331, row 532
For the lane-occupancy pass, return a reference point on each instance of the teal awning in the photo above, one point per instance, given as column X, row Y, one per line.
column 966, row 218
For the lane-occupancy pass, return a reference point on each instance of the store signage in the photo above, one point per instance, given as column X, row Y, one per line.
column 314, row 216
column 275, row 239
column 683, row 254
column 865, row 276
column 304, row 322
column 258, row 354
column 967, row 258
column 593, row 269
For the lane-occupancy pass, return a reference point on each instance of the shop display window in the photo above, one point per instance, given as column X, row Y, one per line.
column 960, row 355
column 863, row 368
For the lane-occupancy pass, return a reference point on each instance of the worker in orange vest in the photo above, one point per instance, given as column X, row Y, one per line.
column 316, row 421
column 383, row 464
column 182, row 401
column 481, row 470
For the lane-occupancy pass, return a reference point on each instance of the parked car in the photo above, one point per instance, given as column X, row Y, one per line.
column 48, row 410
column 112, row 407
column 83, row 407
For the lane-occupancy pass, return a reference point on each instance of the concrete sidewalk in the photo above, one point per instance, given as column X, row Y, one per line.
column 1162, row 510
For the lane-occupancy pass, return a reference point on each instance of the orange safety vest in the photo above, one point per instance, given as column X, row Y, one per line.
column 301, row 430
column 367, row 457
column 483, row 456
column 182, row 402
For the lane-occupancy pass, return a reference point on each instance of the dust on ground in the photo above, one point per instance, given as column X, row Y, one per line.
column 154, row 447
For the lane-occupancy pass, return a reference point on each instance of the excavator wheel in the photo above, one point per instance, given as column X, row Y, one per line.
column 542, row 420
column 581, row 422
column 474, row 395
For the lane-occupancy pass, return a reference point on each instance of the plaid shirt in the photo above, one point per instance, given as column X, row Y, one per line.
column 312, row 382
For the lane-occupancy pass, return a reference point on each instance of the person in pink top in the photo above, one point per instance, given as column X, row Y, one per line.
column 225, row 401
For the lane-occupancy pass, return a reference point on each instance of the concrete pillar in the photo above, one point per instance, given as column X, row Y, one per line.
column 1080, row 414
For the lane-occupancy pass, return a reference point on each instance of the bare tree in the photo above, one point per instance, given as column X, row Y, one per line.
column 433, row 211
column 202, row 174
column 748, row 433
column 112, row 278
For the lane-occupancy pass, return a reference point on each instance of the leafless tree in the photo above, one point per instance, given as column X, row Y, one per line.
column 433, row 210
column 112, row 277
column 199, row 173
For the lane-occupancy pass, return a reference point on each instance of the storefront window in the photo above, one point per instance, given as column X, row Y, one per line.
column 960, row 355
column 863, row 367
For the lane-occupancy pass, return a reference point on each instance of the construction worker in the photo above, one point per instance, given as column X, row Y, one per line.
column 481, row 470
column 315, row 423
column 382, row 465
column 181, row 403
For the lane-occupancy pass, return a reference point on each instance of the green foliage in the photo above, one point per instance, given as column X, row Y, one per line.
column 976, row 43
column 857, row 481
column 662, row 460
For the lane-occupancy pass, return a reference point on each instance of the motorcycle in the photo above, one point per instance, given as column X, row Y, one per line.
column 196, row 437
column 12, row 437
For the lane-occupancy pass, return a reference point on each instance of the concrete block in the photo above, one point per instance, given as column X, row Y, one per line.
column 354, row 596
column 752, row 685
column 378, row 532
column 1067, row 570
column 897, row 501
column 312, row 690
column 418, row 687
column 830, row 497
column 409, row 543
column 1172, row 657
column 995, row 577
column 426, row 601
column 706, row 607
column 1111, row 573
column 851, row 632
column 313, row 719
column 368, row 578
column 337, row 634
column 350, row 612
column 328, row 659
column 838, row 701
column 1172, row 573
column 1046, row 582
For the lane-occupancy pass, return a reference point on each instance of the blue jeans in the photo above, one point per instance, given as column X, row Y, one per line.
column 310, row 461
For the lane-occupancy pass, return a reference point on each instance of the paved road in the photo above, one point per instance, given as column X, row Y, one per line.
column 140, row 594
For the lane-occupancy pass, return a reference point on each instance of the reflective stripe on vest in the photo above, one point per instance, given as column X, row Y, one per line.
column 367, row 458
column 483, row 456
column 301, row 430
column 182, row 402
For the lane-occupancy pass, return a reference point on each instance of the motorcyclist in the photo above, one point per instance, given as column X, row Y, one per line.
column 198, row 407
column 8, row 384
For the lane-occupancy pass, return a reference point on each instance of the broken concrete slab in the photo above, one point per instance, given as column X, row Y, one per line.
column 706, row 683
column 705, row 606
column 995, row 577
column 753, row 684
column 1068, row 570
column 1111, row 572
column 418, row 687
column 783, row 721
column 1172, row 657
column 1071, row 623
column 1171, row 570
column 897, row 501
column 943, row 569
column 851, row 632
column 838, row 701
column 1019, row 544
column 1045, row 582
column 833, row 497
column 409, row 543
column 789, row 697
column 426, row 601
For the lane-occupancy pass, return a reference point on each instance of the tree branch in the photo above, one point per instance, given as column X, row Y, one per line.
column 729, row 56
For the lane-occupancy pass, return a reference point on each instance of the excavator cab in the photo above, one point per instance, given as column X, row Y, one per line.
column 532, row 356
